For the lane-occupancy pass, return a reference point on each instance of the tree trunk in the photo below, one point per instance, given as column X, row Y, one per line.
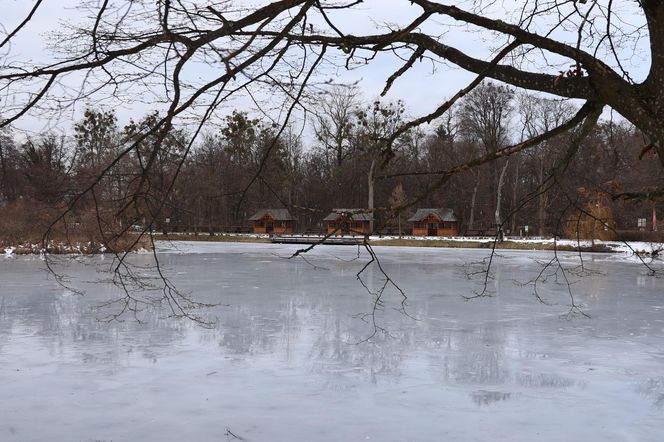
column 514, row 199
column 471, row 219
column 371, row 181
column 541, row 208
column 654, row 218
column 3, row 182
column 399, row 221
column 499, row 193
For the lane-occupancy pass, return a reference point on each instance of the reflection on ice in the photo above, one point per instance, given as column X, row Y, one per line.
column 286, row 361
column 483, row 397
column 653, row 388
column 543, row 380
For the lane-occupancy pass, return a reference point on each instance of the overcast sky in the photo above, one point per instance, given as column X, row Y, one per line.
column 421, row 89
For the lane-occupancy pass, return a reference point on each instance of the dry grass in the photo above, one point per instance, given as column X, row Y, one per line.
column 68, row 245
column 23, row 225
column 221, row 237
column 505, row 245
column 441, row 243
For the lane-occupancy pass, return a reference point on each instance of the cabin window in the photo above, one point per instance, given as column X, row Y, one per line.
column 260, row 224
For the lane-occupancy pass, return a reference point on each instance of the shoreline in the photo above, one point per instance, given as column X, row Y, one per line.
column 534, row 244
column 63, row 247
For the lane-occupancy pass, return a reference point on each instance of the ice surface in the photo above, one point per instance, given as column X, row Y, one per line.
column 286, row 361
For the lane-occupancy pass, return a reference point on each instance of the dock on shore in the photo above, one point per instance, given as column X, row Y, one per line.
column 318, row 239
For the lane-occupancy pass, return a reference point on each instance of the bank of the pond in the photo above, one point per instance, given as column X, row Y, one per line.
column 218, row 237
column 489, row 243
column 546, row 244
column 76, row 247
column 130, row 243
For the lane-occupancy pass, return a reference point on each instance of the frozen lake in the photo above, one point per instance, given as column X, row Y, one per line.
column 287, row 358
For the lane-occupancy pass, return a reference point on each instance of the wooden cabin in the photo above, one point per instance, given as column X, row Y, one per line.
column 270, row 221
column 435, row 222
column 348, row 222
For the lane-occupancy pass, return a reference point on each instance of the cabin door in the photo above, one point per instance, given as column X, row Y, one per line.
column 269, row 226
column 432, row 229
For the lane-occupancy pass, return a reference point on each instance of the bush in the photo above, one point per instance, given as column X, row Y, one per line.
column 23, row 224
column 638, row 235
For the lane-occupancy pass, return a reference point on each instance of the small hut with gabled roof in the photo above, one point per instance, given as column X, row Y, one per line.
column 435, row 222
column 270, row 221
column 348, row 222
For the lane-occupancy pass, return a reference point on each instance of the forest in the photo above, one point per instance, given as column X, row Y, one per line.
column 334, row 159
column 555, row 125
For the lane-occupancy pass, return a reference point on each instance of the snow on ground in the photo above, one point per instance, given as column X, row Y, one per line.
column 628, row 249
column 617, row 246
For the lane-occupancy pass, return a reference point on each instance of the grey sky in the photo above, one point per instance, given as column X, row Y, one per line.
column 422, row 88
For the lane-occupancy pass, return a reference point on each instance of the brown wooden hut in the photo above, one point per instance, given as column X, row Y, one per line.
column 277, row 221
column 348, row 222
column 435, row 222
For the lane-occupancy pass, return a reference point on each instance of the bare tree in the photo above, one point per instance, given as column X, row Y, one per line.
column 123, row 47
column 8, row 163
column 484, row 120
column 333, row 120
column 376, row 124
column 397, row 199
column 538, row 116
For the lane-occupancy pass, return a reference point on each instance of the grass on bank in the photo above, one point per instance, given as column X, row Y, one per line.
column 218, row 237
column 487, row 244
column 396, row 242
column 62, row 245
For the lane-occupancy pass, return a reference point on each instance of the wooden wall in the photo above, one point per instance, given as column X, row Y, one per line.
column 441, row 228
column 277, row 227
column 356, row 228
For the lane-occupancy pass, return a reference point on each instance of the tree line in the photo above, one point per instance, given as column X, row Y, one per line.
column 340, row 160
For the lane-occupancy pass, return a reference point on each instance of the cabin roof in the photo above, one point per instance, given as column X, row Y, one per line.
column 442, row 213
column 277, row 215
column 355, row 214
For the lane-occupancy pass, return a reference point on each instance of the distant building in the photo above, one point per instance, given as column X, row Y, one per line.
column 348, row 222
column 435, row 222
column 277, row 221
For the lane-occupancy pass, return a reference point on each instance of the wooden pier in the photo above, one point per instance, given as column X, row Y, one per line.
column 318, row 239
